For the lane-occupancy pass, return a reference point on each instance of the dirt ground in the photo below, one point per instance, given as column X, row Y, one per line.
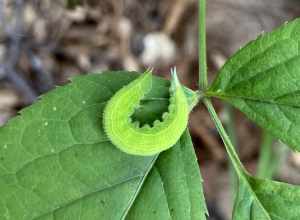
column 44, row 43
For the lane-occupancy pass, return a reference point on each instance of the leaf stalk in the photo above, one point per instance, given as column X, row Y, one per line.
column 233, row 156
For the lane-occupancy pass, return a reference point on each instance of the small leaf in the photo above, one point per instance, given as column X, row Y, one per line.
column 263, row 81
column 266, row 200
column 57, row 163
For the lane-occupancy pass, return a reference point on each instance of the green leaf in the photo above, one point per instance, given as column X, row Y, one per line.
column 260, row 199
column 263, row 81
column 57, row 163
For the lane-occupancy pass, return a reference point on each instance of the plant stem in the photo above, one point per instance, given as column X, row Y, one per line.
column 269, row 158
column 202, row 45
column 265, row 154
column 229, row 125
column 238, row 166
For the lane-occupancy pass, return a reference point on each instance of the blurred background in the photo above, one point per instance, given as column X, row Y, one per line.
column 45, row 42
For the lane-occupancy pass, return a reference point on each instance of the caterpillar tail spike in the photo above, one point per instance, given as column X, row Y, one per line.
column 145, row 141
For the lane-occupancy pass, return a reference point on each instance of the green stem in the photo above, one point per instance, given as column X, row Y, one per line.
column 229, row 125
column 268, row 159
column 238, row 166
column 202, row 45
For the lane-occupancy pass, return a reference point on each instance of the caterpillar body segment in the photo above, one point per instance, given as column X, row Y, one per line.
column 127, row 135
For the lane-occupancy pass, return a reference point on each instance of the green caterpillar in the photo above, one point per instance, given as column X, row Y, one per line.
column 127, row 135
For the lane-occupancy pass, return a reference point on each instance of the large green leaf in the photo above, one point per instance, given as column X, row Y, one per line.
column 57, row 163
column 260, row 199
column 263, row 81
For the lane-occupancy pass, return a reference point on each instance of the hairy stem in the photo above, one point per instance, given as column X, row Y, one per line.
column 202, row 45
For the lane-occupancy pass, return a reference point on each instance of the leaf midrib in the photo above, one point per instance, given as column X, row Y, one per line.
column 133, row 198
column 226, row 96
column 131, row 201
